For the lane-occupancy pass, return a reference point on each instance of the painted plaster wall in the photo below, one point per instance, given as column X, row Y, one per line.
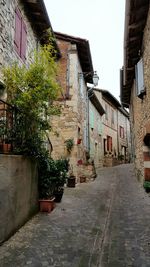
column 18, row 193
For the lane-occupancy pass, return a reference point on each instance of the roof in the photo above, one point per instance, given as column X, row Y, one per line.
column 108, row 96
column 83, row 52
column 37, row 14
column 135, row 21
column 94, row 100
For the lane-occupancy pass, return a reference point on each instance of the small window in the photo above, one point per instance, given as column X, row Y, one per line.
column 139, row 75
column 112, row 117
column 106, row 112
column 20, row 38
column 121, row 132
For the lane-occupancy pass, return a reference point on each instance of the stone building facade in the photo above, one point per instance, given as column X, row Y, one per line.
column 21, row 31
column 75, row 69
column 115, row 130
column 135, row 89
column 96, row 112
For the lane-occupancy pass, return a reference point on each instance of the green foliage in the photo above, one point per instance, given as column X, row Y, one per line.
column 146, row 186
column 52, row 175
column 32, row 91
column 69, row 144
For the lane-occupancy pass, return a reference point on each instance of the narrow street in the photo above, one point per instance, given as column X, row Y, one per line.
column 104, row 223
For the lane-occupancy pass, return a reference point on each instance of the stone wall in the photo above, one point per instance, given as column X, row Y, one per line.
column 140, row 109
column 71, row 124
column 7, row 32
column 18, row 193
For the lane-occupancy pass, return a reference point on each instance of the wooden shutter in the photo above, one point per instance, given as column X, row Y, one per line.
column 107, row 143
column 23, row 41
column 18, row 27
column 111, row 144
column 139, row 72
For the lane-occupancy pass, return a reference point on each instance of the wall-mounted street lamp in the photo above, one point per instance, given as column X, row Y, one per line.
column 94, row 75
column 95, row 78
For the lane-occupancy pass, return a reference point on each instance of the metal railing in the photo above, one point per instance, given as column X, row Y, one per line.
column 7, row 121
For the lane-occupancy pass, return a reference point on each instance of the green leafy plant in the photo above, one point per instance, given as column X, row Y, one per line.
column 69, row 144
column 32, row 91
column 146, row 186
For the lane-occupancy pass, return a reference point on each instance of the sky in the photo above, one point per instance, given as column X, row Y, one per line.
column 101, row 22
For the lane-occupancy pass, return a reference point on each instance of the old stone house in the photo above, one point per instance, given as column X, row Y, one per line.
column 115, row 129
column 71, row 127
column 135, row 82
column 96, row 112
column 23, row 25
column 22, row 29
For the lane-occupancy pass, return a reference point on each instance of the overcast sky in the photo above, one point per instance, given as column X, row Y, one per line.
column 102, row 23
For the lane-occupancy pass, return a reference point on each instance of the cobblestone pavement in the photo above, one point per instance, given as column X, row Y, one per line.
column 104, row 223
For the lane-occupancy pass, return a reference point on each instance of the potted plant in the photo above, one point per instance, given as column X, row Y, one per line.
column 5, row 138
column 79, row 141
column 69, row 144
column 45, row 183
column 146, row 186
column 71, row 181
column 61, row 173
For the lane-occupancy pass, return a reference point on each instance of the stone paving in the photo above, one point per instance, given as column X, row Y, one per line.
column 104, row 223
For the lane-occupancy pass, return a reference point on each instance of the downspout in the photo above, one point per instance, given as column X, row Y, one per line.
column 127, row 17
column 117, row 132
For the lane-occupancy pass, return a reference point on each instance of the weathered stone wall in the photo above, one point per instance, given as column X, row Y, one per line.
column 18, row 193
column 140, row 109
column 71, row 124
column 7, row 32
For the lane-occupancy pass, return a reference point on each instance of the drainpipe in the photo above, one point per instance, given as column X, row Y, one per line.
column 118, row 132
column 127, row 17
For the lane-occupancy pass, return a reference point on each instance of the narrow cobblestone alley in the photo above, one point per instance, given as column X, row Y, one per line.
column 104, row 223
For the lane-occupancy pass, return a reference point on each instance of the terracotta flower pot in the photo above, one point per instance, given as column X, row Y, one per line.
column 46, row 205
column 79, row 141
column 82, row 179
column 6, row 148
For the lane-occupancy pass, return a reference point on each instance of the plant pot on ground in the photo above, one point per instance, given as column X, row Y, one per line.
column 45, row 183
column 146, row 186
column 58, row 194
column 71, row 181
column 62, row 166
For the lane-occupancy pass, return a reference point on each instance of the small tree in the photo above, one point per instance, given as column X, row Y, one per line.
column 32, row 91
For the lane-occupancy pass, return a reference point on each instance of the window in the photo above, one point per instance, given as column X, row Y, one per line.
column 112, row 117
column 139, row 75
column 20, row 35
column 106, row 112
column 121, row 132
column 91, row 119
column 109, row 143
